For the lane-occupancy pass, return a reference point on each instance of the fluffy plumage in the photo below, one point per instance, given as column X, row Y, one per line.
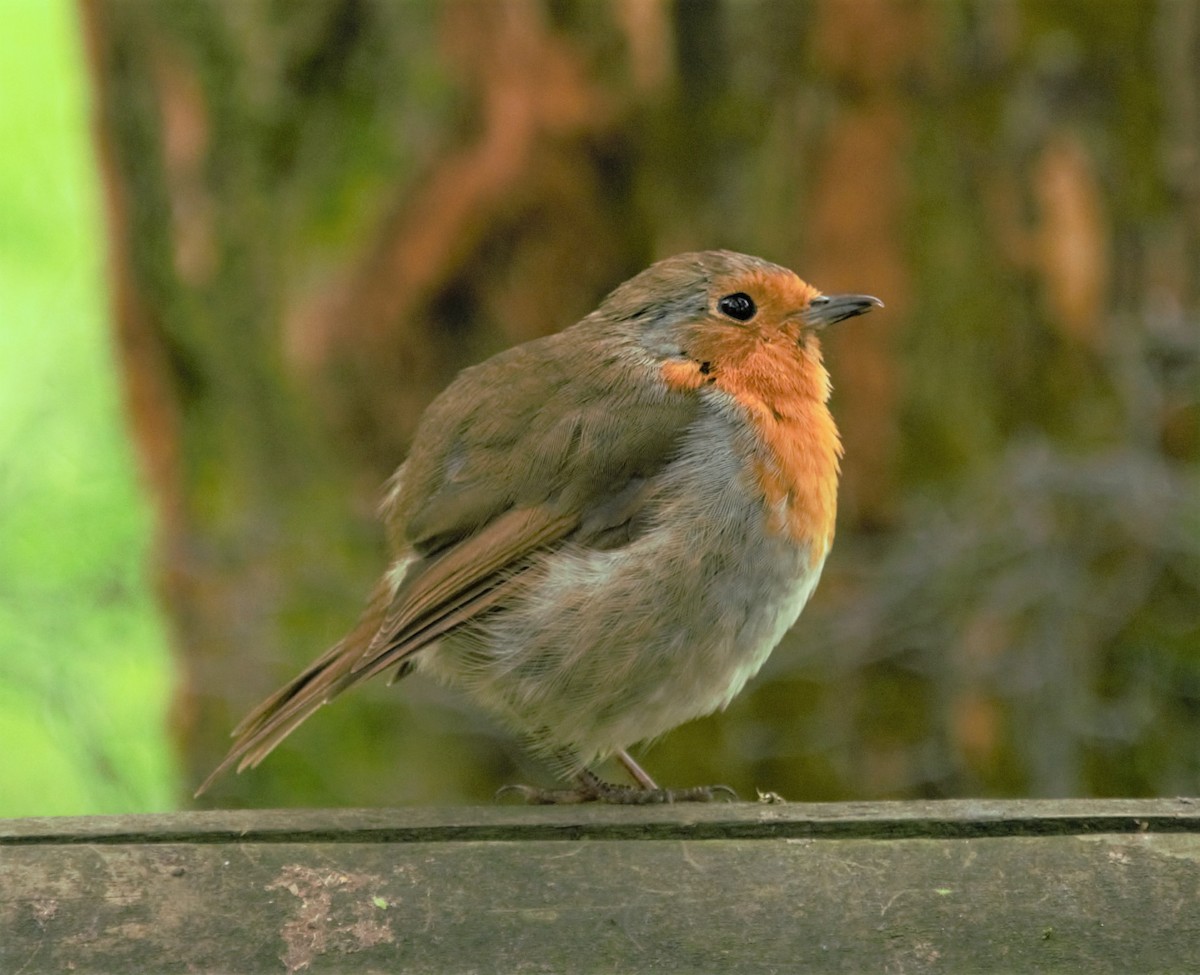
column 603, row 533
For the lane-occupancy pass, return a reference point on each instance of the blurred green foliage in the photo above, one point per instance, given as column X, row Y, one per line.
column 84, row 669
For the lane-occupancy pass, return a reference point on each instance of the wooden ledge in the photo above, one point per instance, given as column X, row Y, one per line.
column 720, row 820
column 956, row 886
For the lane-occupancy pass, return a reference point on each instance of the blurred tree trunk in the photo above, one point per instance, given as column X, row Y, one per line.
column 319, row 212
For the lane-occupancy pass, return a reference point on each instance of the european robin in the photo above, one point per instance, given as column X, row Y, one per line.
column 603, row 533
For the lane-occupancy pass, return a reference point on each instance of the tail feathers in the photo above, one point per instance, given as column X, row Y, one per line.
column 283, row 712
column 407, row 613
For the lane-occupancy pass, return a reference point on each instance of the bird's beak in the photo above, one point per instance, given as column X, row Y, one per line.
column 826, row 309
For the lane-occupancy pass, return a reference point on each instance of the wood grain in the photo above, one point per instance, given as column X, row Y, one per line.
column 1097, row 886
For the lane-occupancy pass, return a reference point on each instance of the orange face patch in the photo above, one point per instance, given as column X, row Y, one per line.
column 683, row 375
column 781, row 296
column 785, row 392
column 773, row 368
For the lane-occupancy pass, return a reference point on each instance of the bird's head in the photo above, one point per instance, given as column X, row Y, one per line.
column 720, row 309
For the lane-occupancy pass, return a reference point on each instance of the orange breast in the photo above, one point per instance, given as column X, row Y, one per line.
column 799, row 477
column 784, row 387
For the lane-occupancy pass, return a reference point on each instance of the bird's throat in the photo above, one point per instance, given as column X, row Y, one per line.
column 784, row 389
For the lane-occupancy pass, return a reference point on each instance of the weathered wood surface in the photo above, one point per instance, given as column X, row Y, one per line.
column 1043, row 886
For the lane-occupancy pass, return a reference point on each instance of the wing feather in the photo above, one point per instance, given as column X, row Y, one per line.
column 519, row 454
column 433, row 598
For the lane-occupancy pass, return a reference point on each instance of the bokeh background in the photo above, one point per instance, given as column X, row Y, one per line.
column 243, row 243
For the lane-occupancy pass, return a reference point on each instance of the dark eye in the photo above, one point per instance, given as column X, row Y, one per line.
column 739, row 307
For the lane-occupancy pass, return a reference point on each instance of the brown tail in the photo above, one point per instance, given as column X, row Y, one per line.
column 436, row 595
column 284, row 711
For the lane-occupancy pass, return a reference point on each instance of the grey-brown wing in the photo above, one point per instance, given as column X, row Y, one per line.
column 487, row 485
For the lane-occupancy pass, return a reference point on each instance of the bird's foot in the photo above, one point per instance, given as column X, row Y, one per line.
column 590, row 788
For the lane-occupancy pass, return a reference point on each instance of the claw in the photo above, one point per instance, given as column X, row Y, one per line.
column 534, row 796
column 592, row 789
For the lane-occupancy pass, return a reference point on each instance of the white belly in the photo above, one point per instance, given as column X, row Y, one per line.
column 607, row 648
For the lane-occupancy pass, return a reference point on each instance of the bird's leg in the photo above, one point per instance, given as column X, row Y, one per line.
column 589, row 787
column 640, row 776
column 646, row 795
column 651, row 792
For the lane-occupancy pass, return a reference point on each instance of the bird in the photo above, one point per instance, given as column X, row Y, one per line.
column 603, row 533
